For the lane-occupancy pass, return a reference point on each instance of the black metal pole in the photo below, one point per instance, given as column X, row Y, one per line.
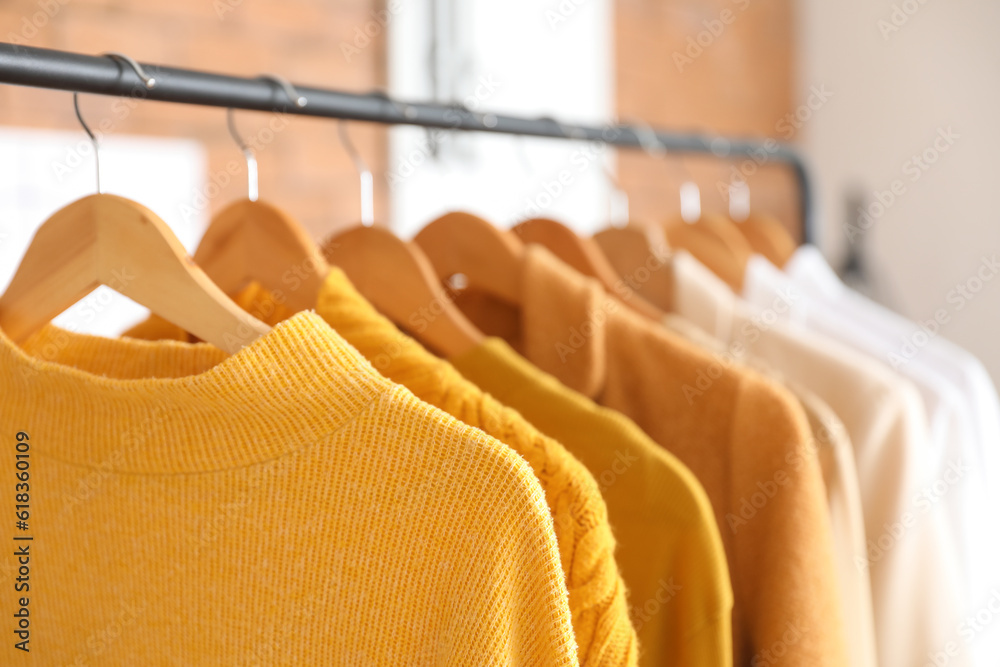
column 60, row 70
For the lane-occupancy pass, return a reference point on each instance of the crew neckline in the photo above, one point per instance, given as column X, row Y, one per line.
column 295, row 384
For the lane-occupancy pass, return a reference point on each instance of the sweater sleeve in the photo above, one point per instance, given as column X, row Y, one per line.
column 782, row 535
column 597, row 601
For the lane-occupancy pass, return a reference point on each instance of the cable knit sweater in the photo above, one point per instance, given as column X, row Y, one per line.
column 744, row 437
column 669, row 548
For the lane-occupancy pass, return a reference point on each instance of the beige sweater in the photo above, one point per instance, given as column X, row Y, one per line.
column 913, row 594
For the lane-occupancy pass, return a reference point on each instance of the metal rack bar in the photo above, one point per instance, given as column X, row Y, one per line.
column 61, row 70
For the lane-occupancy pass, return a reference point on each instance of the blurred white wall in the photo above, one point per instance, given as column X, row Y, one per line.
column 915, row 97
column 550, row 58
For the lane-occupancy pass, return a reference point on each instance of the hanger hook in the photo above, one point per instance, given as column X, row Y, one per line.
column 253, row 180
column 568, row 132
column 739, row 199
column 690, row 194
column 648, row 140
column 93, row 139
column 407, row 110
column 293, row 95
column 148, row 80
column 251, row 157
column 364, row 173
column 618, row 202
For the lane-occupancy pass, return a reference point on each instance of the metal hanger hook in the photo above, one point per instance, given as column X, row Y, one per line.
column 147, row 80
column 648, row 140
column 690, row 202
column 251, row 157
column 690, row 194
column 253, row 178
column 93, row 139
column 408, row 111
column 618, row 204
column 739, row 199
column 567, row 132
column 364, row 174
column 618, row 212
column 293, row 95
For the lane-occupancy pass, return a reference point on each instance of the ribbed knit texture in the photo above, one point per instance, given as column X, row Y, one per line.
column 285, row 505
column 744, row 438
column 669, row 548
column 604, row 633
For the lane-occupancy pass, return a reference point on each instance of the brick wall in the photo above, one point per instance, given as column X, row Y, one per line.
column 723, row 66
column 304, row 170
column 740, row 83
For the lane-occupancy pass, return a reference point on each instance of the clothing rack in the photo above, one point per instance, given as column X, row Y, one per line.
column 61, row 70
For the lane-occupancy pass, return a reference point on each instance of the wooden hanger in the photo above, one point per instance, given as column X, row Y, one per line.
column 584, row 255
column 399, row 280
column 768, row 237
column 580, row 253
column 396, row 277
column 724, row 229
column 252, row 241
column 466, row 244
column 109, row 240
column 716, row 243
column 712, row 239
column 639, row 252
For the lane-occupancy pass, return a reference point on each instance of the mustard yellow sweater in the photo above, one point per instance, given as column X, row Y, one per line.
column 596, row 592
column 744, row 437
column 669, row 548
column 286, row 505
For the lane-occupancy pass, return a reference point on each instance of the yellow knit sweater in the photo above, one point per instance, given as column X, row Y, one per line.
column 286, row 505
column 596, row 591
column 669, row 548
column 744, row 437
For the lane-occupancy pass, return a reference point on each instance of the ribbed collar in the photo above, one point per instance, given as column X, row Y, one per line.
column 100, row 403
column 393, row 354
